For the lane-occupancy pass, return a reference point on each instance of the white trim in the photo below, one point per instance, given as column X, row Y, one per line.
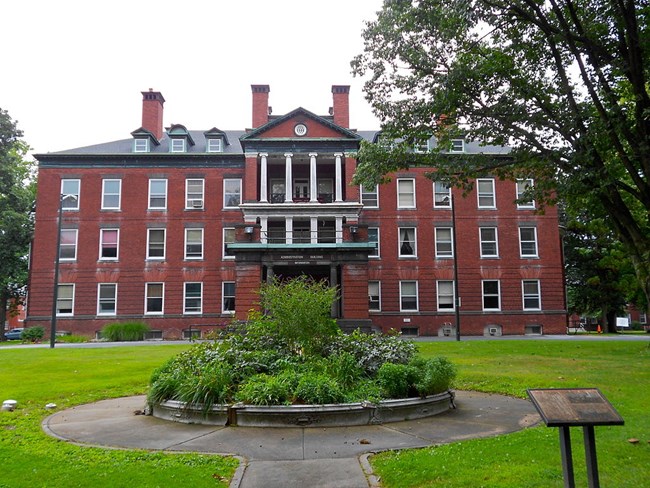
column 99, row 299
column 435, row 193
column 495, row 241
column 224, row 242
column 138, row 147
column 376, row 193
column 194, row 243
column 534, row 241
column 491, row 193
column 210, row 142
column 194, row 203
column 58, row 298
column 537, row 296
column 185, row 298
column 76, row 242
column 119, row 193
column 164, row 243
column 378, row 309
column 453, row 296
column 377, row 255
column 401, row 296
column 223, row 296
column 101, row 245
column 529, row 183
column 175, row 147
column 397, row 187
column 157, row 195
column 399, row 242
column 450, row 242
column 77, row 194
column 225, row 182
column 498, row 295
column 162, row 297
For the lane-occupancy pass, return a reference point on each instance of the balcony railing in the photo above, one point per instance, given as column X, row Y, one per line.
column 299, row 236
column 322, row 198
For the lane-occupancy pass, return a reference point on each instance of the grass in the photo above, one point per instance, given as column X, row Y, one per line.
column 531, row 458
column 67, row 377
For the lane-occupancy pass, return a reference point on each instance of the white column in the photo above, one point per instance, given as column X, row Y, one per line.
column 338, row 177
column 313, row 230
column 288, row 229
column 263, row 178
column 288, row 179
column 339, row 229
column 264, row 229
column 313, row 182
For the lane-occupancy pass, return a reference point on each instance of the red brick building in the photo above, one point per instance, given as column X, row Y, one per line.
column 178, row 228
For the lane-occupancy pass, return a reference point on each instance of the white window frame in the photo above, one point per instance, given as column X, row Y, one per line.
column 531, row 296
column 193, row 256
column 191, row 311
column 483, row 194
column 439, row 242
column 106, row 194
column 214, row 145
column 224, row 296
column 226, row 198
column 372, row 196
column 164, row 244
column 400, row 242
column 225, row 231
column 487, row 241
column 101, row 300
column 141, row 145
column 439, row 295
column 457, row 146
column 421, row 147
column 102, row 243
column 177, row 145
column 377, row 253
column 161, row 298
column 521, row 186
column 62, row 245
column 437, row 192
column 378, row 295
column 484, row 295
column 60, row 286
column 523, row 242
column 402, row 296
column 70, row 203
column 192, row 201
column 157, row 195
column 400, row 194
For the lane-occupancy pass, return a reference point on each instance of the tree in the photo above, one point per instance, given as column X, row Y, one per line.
column 563, row 82
column 17, row 192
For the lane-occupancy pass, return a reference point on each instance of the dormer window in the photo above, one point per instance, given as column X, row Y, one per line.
column 421, row 147
column 215, row 145
column 457, row 146
column 141, row 145
column 177, row 145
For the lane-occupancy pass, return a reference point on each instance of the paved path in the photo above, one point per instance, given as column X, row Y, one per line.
column 290, row 457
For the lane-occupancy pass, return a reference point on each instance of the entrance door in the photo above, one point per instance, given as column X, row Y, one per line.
column 301, row 188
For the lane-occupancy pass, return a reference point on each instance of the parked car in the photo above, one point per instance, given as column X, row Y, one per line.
column 14, row 334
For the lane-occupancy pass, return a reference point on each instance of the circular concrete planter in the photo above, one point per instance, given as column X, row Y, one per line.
column 333, row 415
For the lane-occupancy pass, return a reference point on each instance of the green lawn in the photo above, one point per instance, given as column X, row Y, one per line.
column 531, row 458
column 67, row 377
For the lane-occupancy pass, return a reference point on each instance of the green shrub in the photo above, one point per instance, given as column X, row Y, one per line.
column 434, row 375
column 263, row 389
column 396, row 380
column 366, row 390
column 318, row 389
column 344, row 368
column 71, row 339
column 125, row 331
column 33, row 334
column 210, row 387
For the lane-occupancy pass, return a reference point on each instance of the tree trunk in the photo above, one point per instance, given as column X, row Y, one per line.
column 4, row 299
column 611, row 322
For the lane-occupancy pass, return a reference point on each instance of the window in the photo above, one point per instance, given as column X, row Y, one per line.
column 194, row 193
column 446, row 294
column 444, row 242
column 374, row 296
column 485, row 191
column 231, row 192
column 65, row 299
column 157, row 194
column 408, row 296
column 228, row 238
column 228, row 297
column 154, row 298
column 373, row 237
column 489, row 243
column 421, row 147
column 491, row 295
column 111, row 191
column 141, row 145
column 407, row 242
column 106, row 298
column 457, row 146
column 441, row 195
column 193, row 243
column 214, row 145
column 177, row 145
column 108, row 243
column 643, row 318
column 370, row 198
column 68, row 248
column 70, row 189
column 156, row 244
column 193, row 298
column 524, row 185
column 406, row 193
column 528, row 242
column 531, row 295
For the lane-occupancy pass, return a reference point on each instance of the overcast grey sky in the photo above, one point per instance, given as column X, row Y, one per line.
column 73, row 70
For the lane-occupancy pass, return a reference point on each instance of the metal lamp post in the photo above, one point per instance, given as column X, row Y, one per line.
column 456, row 296
column 55, row 294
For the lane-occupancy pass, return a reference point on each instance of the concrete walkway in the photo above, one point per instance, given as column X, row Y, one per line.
column 290, row 457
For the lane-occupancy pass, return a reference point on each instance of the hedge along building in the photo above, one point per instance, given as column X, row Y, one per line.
column 179, row 227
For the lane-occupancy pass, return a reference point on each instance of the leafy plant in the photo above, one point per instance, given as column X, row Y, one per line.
column 263, row 389
column 395, row 380
column 432, row 375
column 125, row 331
column 32, row 334
column 318, row 388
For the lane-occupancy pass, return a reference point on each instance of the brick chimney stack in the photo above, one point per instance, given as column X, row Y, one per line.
column 152, row 112
column 341, row 105
column 260, row 105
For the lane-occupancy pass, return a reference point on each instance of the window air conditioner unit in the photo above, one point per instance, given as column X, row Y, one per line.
column 197, row 203
column 494, row 331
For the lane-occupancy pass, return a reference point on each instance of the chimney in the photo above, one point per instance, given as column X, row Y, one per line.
column 260, row 105
column 152, row 112
column 341, row 105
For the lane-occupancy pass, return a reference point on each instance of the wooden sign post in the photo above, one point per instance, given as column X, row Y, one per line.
column 575, row 407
